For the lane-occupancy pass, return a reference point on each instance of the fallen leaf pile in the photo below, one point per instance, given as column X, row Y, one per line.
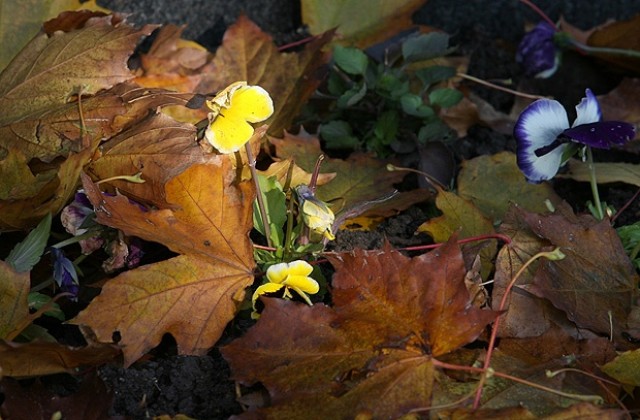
column 395, row 334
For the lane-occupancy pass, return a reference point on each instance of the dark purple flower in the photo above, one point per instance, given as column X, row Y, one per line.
column 64, row 272
column 543, row 134
column 537, row 52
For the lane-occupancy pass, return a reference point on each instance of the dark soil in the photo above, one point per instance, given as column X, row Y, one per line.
column 487, row 31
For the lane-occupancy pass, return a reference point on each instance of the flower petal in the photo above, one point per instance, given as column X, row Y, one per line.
column 537, row 52
column 538, row 126
column 251, row 103
column 267, row 288
column 304, row 283
column 278, row 273
column 602, row 134
column 300, row 268
column 588, row 110
column 228, row 134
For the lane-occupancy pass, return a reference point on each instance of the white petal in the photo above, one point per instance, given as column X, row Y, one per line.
column 543, row 168
column 588, row 110
column 539, row 125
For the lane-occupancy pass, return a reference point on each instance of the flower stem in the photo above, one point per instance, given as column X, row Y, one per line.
column 587, row 49
column 556, row 254
column 498, row 87
column 594, row 185
column 540, row 13
column 261, row 206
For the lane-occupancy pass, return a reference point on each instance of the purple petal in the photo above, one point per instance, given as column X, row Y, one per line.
column 602, row 135
column 588, row 110
column 539, row 125
column 64, row 273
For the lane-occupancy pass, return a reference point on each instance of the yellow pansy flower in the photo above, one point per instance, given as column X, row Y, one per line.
column 284, row 277
column 232, row 112
column 315, row 213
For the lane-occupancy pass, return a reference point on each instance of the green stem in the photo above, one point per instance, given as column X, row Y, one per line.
column 603, row 50
column 261, row 206
column 594, row 184
column 75, row 239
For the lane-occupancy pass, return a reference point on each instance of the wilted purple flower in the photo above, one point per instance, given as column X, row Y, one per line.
column 543, row 134
column 64, row 273
column 538, row 53
column 74, row 216
column 122, row 252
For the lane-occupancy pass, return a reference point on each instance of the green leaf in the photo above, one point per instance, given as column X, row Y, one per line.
column 435, row 74
column 425, row 46
column 339, row 135
column 433, row 130
column 27, row 253
column 386, row 127
column 445, row 97
column 350, row 60
column 37, row 300
column 413, row 105
column 352, row 96
column 275, row 201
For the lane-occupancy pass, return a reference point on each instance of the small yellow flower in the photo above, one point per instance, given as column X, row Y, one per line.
column 315, row 213
column 285, row 276
column 232, row 111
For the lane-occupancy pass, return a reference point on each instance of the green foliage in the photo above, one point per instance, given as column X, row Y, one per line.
column 630, row 237
column 274, row 198
column 388, row 107
column 27, row 253
column 38, row 300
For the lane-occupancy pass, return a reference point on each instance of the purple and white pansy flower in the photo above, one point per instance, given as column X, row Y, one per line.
column 543, row 134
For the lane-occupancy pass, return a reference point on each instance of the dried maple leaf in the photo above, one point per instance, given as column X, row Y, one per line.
column 158, row 147
column 52, row 67
column 247, row 53
column 596, row 284
column 424, row 297
column 193, row 296
column 371, row 353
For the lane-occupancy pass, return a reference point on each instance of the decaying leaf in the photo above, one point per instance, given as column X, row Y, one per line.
column 382, row 19
column 359, row 179
column 193, row 296
column 625, row 368
column 460, row 216
column 44, row 358
column 92, row 401
column 14, row 289
column 595, row 284
column 606, row 172
column 53, row 67
column 371, row 352
column 492, row 183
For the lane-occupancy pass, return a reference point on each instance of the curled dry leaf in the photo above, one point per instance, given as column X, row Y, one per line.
column 193, row 296
column 371, row 353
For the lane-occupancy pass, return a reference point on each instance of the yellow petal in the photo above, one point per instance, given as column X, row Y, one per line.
column 252, row 103
column 318, row 217
column 227, row 134
column 304, row 283
column 300, row 268
column 264, row 289
column 223, row 98
column 277, row 273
